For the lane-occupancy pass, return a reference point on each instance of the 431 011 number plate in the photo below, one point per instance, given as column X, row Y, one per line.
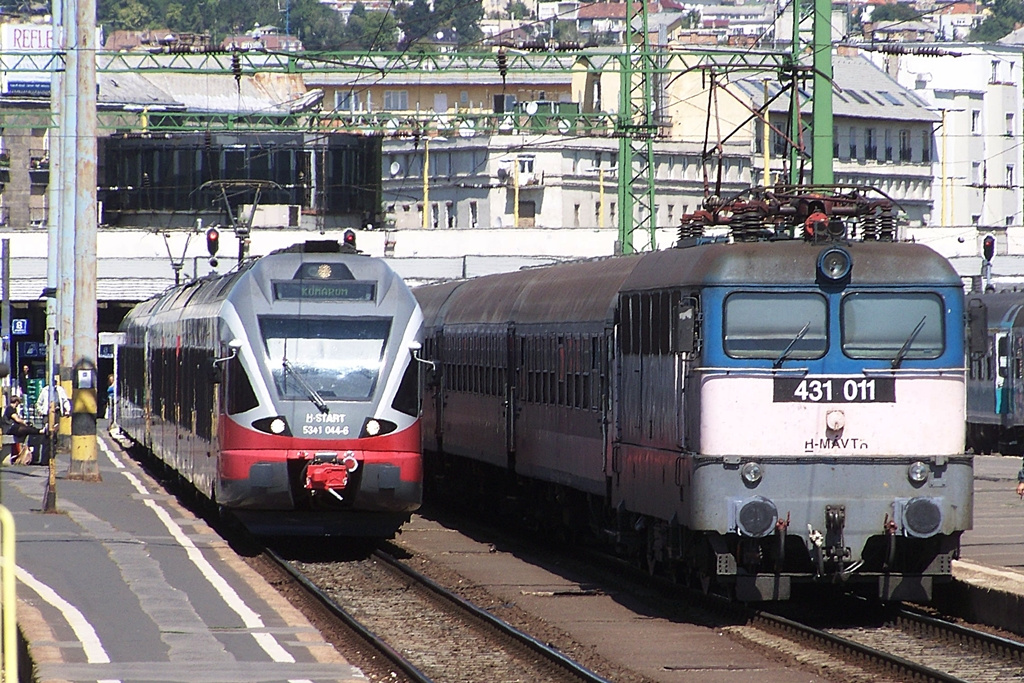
column 835, row 390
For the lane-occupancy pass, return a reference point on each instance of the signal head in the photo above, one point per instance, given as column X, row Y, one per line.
column 350, row 239
column 988, row 246
column 212, row 241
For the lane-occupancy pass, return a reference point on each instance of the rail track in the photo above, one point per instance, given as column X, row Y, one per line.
column 906, row 644
column 424, row 631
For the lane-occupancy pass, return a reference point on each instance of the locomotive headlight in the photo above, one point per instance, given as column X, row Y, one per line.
column 917, row 473
column 834, row 264
column 751, row 472
column 277, row 426
column 372, row 427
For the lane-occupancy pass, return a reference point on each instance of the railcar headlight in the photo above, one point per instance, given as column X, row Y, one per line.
column 376, row 427
column 751, row 472
column 277, row 426
column 917, row 472
column 835, row 264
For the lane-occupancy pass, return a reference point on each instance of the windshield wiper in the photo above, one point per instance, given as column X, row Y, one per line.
column 314, row 397
column 785, row 351
column 898, row 360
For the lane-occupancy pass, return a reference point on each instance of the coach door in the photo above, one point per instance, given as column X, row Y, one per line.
column 437, row 387
column 1002, row 374
column 509, row 374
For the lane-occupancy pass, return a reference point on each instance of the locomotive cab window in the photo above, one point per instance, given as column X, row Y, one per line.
column 339, row 358
column 888, row 325
column 771, row 324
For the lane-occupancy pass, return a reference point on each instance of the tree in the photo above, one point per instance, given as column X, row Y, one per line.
column 992, row 29
column 417, row 21
column 894, row 12
column 517, row 9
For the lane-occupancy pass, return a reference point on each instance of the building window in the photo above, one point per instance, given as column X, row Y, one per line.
column 450, row 213
column 888, row 145
column 905, row 151
column 474, row 216
column 396, row 100
column 975, row 120
column 835, row 142
column 870, row 148
column 994, row 77
column 1011, row 178
column 975, row 219
column 576, row 215
column 975, row 173
column 346, row 100
column 464, row 97
column 853, row 142
column 1009, row 125
column 1009, row 221
column 926, row 146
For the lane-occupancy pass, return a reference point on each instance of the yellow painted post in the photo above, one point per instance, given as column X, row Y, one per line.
column 10, row 596
column 765, row 139
column 426, row 181
column 515, row 191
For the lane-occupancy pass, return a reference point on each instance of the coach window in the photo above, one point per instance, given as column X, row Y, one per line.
column 887, row 325
column 769, row 324
column 241, row 396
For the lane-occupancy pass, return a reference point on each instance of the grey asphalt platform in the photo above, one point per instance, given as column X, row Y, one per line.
column 997, row 538
column 122, row 584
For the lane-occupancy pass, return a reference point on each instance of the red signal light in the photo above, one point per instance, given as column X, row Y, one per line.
column 350, row 238
column 212, row 241
column 988, row 246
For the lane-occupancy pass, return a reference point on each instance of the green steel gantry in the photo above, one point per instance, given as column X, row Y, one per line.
column 637, row 124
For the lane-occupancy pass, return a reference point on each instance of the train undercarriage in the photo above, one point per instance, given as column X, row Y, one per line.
column 892, row 567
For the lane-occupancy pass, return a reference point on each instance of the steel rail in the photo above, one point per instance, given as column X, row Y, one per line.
column 506, row 629
column 843, row 646
column 335, row 609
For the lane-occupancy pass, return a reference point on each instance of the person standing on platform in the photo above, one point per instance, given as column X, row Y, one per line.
column 23, row 378
column 1020, row 481
column 109, row 412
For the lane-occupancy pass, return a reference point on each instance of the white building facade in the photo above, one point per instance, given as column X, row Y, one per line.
column 976, row 92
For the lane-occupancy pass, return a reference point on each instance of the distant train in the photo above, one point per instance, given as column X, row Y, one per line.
column 286, row 390
column 995, row 376
column 784, row 408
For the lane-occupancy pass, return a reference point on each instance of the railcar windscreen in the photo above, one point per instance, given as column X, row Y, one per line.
column 338, row 358
column 887, row 324
column 769, row 324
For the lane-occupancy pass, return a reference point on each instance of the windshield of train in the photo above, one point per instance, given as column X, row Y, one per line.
column 892, row 325
column 776, row 325
column 332, row 358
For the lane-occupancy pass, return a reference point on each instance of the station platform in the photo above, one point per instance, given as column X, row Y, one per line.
column 120, row 583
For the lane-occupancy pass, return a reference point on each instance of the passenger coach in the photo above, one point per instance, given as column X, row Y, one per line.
column 749, row 415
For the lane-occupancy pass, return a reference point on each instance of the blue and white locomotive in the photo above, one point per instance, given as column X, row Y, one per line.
column 783, row 407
